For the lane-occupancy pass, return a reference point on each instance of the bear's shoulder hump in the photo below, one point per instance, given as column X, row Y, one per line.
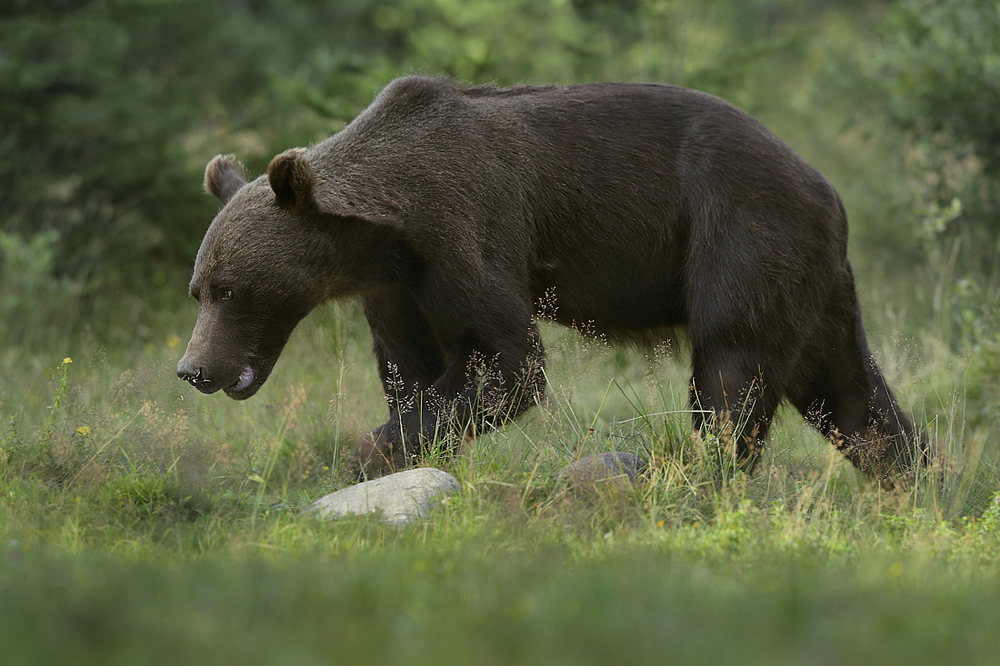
column 415, row 92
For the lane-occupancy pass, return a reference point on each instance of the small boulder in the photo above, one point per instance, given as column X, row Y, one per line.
column 604, row 471
column 402, row 498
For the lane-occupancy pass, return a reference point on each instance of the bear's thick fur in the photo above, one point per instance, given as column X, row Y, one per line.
column 628, row 209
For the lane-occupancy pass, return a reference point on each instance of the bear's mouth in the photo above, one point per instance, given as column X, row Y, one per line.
column 247, row 377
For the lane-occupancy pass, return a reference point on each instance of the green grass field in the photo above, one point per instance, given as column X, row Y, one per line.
column 141, row 522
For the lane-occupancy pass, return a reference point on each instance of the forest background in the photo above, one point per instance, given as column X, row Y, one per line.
column 109, row 111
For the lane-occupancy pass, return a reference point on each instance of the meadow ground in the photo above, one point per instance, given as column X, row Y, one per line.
column 141, row 522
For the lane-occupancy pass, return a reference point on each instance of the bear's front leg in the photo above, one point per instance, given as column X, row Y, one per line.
column 380, row 452
column 409, row 360
column 472, row 369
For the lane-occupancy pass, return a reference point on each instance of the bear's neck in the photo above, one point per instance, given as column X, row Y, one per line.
column 355, row 258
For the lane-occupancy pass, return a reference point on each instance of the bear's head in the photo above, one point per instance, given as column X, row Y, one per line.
column 263, row 265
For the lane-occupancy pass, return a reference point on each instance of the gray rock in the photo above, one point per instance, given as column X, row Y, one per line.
column 402, row 498
column 611, row 471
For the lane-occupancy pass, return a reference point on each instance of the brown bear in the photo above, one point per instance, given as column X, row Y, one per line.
column 630, row 209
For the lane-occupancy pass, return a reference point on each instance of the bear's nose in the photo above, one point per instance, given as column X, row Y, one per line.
column 187, row 371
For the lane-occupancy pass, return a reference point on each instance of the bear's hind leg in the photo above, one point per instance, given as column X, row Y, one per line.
column 731, row 397
column 841, row 391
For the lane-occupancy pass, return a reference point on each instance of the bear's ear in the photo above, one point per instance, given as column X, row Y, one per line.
column 224, row 177
column 292, row 179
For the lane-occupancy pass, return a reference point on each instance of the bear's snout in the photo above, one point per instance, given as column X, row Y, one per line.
column 195, row 376
column 211, row 379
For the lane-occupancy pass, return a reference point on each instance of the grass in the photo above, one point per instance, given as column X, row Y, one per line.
column 143, row 523
column 420, row 598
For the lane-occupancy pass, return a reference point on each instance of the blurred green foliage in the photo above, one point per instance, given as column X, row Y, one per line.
column 944, row 64
column 941, row 72
column 109, row 107
column 109, row 110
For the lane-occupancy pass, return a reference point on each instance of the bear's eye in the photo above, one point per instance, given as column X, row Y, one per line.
column 227, row 294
